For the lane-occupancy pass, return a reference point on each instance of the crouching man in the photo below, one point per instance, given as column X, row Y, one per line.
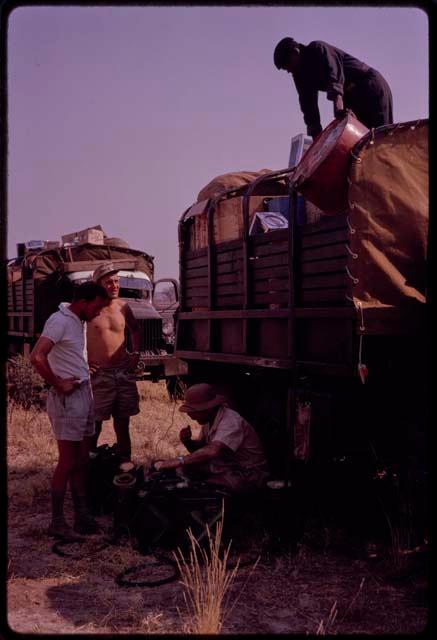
column 228, row 453
column 59, row 356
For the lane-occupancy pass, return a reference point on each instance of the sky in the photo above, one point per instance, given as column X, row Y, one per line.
column 120, row 115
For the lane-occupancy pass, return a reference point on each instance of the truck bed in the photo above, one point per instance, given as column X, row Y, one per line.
column 240, row 300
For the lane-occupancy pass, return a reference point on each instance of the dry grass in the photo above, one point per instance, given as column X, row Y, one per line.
column 293, row 592
column 207, row 581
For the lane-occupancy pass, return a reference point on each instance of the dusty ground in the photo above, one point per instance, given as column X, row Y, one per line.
column 318, row 587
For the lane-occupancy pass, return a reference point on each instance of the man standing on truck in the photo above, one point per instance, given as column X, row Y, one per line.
column 112, row 368
column 59, row 356
column 228, row 453
column 348, row 82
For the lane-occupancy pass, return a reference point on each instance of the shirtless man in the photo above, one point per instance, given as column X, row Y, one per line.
column 112, row 368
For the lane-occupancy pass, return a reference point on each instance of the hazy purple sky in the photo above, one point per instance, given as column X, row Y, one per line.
column 119, row 115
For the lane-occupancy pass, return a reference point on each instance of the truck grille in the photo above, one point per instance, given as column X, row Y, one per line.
column 151, row 336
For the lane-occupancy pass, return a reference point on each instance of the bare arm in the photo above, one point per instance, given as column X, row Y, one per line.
column 185, row 436
column 204, row 454
column 38, row 358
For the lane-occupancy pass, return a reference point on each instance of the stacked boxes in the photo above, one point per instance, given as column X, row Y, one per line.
column 91, row 235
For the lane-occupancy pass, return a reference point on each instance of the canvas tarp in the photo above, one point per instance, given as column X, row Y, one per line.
column 227, row 181
column 388, row 215
column 228, row 212
column 45, row 263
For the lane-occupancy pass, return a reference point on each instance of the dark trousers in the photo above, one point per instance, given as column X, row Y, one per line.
column 371, row 100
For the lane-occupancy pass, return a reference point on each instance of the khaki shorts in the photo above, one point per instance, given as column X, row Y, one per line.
column 115, row 393
column 72, row 415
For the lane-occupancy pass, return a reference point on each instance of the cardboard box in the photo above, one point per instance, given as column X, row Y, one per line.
column 93, row 235
column 52, row 244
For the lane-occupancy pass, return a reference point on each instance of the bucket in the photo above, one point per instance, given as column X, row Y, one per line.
column 321, row 175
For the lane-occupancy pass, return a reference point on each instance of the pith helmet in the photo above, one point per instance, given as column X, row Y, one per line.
column 105, row 269
column 200, row 397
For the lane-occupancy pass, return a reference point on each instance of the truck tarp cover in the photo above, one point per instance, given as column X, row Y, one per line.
column 222, row 183
column 388, row 197
column 48, row 262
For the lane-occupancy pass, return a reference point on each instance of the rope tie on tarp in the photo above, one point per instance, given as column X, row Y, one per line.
column 393, row 131
column 354, row 255
column 352, row 229
column 354, row 280
column 356, row 158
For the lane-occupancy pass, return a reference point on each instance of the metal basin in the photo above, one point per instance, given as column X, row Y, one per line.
column 321, row 175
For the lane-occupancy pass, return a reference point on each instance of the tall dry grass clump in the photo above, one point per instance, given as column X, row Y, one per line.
column 207, row 580
column 25, row 385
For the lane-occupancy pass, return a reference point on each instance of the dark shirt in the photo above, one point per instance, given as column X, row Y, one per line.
column 324, row 68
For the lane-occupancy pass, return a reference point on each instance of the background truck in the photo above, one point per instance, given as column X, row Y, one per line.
column 317, row 331
column 45, row 272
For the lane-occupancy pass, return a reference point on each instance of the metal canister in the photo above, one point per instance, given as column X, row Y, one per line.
column 321, row 175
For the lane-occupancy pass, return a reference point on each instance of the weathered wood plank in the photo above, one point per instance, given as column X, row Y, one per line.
column 234, row 358
column 270, row 298
column 272, row 272
column 230, row 245
column 328, row 281
column 191, row 283
column 281, row 235
column 230, row 267
column 229, row 278
column 273, row 284
column 195, row 253
column 327, row 238
column 191, row 263
column 322, row 253
column 196, row 291
column 196, row 301
column 195, row 272
column 318, row 296
column 269, row 261
column 229, row 300
column 229, row 289
column 271, row 249
column 229, row 256
column 325, row 223
column 324, row 266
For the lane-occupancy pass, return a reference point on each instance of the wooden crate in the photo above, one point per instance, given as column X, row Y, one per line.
column 227, row 222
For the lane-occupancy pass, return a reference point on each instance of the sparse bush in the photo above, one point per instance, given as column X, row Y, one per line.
column 25, row 385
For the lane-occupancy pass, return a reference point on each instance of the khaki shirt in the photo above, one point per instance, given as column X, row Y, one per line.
column 242, row 465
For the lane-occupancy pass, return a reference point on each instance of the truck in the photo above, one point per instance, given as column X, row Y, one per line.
column 317, row 328
column 44, row 274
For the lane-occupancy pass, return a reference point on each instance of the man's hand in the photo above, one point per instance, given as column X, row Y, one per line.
column 166, row 464
column 185, row 435
column 339, row 110
column 93, row 366
column 67, row 385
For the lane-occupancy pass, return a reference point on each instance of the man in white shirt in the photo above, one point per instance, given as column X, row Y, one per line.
column 228, row 453
column 60, row 357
